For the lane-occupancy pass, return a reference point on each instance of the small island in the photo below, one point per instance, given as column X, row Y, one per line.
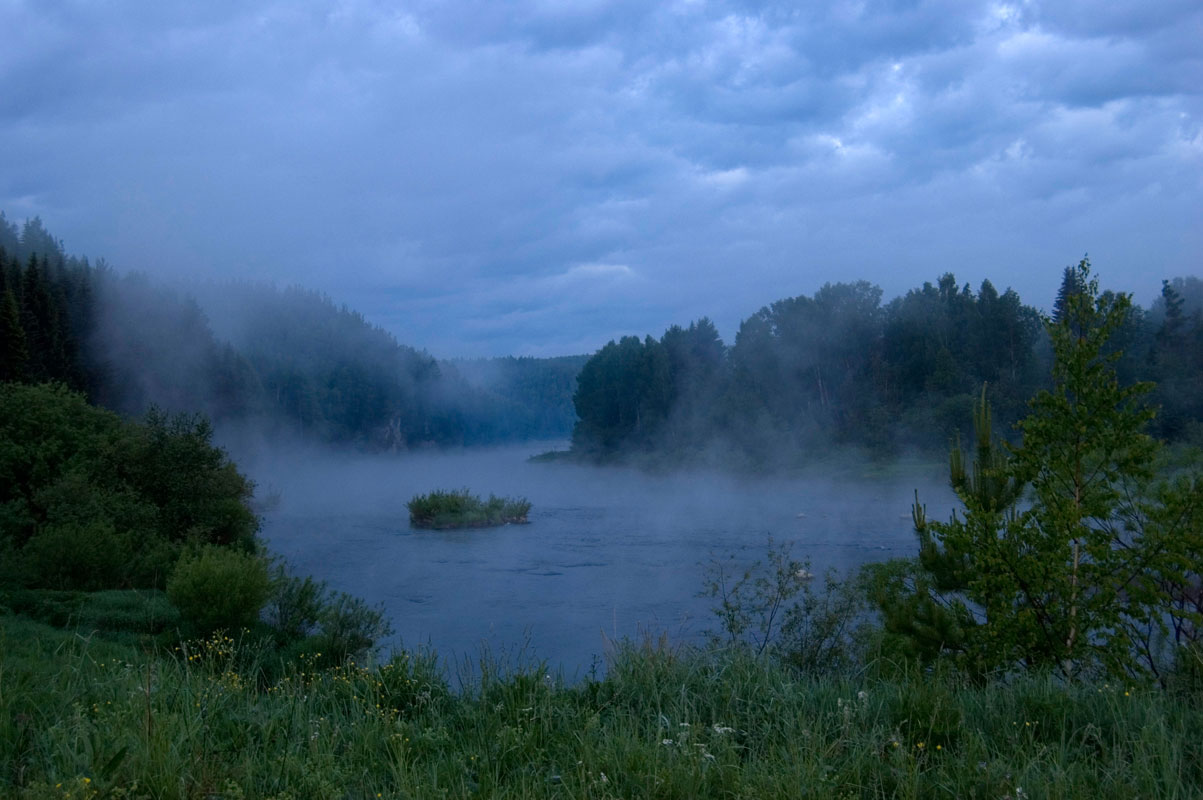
column 442, row 510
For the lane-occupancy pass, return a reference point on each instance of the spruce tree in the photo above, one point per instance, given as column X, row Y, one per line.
column 1073, row 284
column 14, row 353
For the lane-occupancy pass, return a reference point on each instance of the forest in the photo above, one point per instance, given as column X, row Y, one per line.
column 1044, row 640
column 256, row 358
column 841, row 370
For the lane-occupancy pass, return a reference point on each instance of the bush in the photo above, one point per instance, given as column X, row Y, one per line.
column 350, row 627
column 75, row 555
column 219, row 588
column 774, row 608
column 307, row 617
column 89, row 501
column 294, row 606
column 463, row 509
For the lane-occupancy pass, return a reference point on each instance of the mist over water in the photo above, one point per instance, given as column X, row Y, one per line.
column 610, row 551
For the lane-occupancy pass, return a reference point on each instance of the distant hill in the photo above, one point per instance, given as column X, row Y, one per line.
column 283, row 361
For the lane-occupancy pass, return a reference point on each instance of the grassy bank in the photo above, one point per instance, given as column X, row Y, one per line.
column 84, row 717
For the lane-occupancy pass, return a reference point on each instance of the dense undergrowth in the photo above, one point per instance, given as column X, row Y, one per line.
column 85, row 717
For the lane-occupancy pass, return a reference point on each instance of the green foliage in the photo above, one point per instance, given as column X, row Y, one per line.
column 217, row 588
column 1094, row 573
column 306, row 616
column 14, row 349
column 836, row 368
column 349, row 628
column 88, row 501
column 622, row 397
column 78, row 555
column 44, row 314
column 111, row 613
column 97, row 719
column 462, row 509
column 772, row 608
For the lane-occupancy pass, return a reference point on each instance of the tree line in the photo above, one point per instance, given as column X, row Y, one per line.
column 840, row 368
column 278, row 361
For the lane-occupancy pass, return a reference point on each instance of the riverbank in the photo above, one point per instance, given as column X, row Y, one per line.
column 83, row 716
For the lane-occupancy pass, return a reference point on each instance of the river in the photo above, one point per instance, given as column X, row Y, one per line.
column 608, row 553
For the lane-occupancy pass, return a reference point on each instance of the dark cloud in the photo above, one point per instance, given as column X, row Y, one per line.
column 539, row 177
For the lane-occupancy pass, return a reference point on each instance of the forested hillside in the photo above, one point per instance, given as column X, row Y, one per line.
column 532, row 397
column 840, row 369
column 283, row 362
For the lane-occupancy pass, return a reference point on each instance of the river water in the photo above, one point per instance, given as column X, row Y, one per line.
column 608, row 553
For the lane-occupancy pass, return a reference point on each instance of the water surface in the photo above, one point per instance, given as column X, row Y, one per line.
column 609, row 552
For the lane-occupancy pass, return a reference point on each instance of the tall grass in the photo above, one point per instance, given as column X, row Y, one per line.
column 82, row 717
column 462, row 509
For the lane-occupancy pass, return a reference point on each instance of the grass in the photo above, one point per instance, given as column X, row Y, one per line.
column 462, row 509
column 81, row 717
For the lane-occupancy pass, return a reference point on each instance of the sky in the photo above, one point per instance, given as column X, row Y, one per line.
column 538, row 177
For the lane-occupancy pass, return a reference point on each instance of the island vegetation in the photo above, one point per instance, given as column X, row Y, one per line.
column 462, row 509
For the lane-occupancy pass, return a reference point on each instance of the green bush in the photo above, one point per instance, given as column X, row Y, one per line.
column 350, row 627
column 306, row 616
column 75, row 555
column 219, row 588
column 773, row 607
column 90, row 501
column 294, row 606
column 462, row 509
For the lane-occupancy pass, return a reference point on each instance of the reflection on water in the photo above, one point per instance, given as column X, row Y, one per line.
column 608, row 551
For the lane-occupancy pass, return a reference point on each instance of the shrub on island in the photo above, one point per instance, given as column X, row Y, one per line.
column 462, row 509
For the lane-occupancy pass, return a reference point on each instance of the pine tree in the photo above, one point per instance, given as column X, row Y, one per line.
column 1083, row 576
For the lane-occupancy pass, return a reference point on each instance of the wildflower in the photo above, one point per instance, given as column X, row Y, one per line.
column 719, row 729
column 666, row 742
column 920, row 745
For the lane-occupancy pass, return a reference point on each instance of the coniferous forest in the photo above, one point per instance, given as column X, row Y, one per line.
column 279, row 362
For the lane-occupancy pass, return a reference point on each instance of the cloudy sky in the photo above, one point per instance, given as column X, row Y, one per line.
column 539, row 176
